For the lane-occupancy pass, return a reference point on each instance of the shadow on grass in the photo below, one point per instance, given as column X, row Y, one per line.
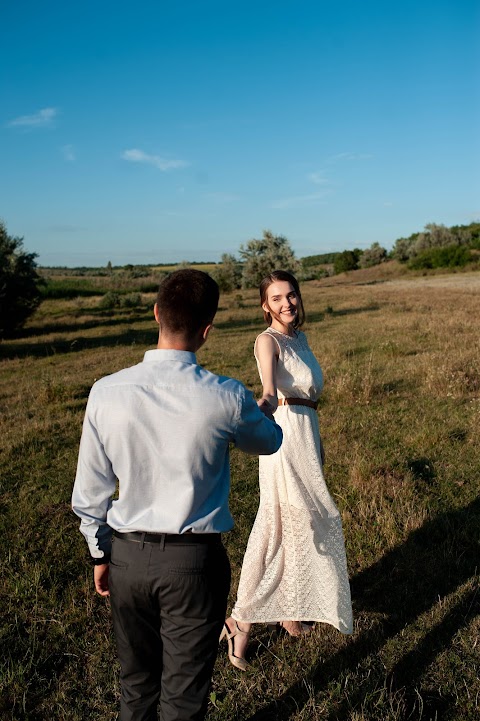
column 39, row 349
column 324, row 283
column 354, row 311
column 240, row 323
column 101, row 319
column 142, row 338
column 407, row 582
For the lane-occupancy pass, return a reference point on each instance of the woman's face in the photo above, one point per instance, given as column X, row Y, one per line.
column 282, row 301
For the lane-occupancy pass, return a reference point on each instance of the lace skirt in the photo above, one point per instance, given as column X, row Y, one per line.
column 295, row 566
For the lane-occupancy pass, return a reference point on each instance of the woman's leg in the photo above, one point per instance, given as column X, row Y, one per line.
column 237, row 634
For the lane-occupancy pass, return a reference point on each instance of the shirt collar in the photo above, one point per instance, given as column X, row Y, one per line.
column 185, row 356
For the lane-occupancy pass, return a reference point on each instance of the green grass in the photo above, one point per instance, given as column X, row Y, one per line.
column 399, row 417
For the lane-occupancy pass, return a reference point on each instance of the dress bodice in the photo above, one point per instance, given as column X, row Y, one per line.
column 298, row 372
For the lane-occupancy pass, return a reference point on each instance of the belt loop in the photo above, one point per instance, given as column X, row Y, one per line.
column 162, row 542
column 142, row 542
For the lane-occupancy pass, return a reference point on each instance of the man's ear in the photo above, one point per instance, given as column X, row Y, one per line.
column 156, row 313
column 207, row 331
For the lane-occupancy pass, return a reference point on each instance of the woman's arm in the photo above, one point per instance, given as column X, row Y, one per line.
column 267, row 354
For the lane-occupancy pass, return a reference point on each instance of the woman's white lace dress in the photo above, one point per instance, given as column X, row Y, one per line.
column 294, row 566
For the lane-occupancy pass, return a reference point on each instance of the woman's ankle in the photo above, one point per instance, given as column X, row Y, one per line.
column 233, row 625
column 244, row 626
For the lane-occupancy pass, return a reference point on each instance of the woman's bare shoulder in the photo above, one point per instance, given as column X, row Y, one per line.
column 266, row 343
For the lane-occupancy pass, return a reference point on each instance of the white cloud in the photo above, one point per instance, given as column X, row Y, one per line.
column 300, row 201
column 318, row 179
column 350, row 156
column 42, row 119
column 138, row 156
column 69, row 153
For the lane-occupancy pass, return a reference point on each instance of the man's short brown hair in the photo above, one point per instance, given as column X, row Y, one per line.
column 187, row 301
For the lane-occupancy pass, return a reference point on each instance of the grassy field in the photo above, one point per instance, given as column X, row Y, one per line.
column 400, row 419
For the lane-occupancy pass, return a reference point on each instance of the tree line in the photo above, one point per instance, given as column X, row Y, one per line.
column 21, row 287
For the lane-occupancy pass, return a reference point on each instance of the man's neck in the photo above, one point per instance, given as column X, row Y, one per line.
column 171, row 342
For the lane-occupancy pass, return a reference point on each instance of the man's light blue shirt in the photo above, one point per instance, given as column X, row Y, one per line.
column 154, row 452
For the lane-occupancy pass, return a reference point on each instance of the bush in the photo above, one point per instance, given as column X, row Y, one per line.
column 436, row 236
column 19, row 283
column 373, row 256
column 322, row 259
column 136, row 271
column 228, row 274
column 69, row 288
column 110, row 300
column 151, row 287
column 348, row 260
column 131, row 300
column 452, row 256
column 312, row 273
column 402, row 249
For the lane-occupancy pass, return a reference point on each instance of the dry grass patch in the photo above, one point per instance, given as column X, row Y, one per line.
column 399, row 417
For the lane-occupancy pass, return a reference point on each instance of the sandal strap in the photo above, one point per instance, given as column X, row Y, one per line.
column 238, row 630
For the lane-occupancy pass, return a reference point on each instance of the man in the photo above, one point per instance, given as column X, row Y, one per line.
column 160, row 432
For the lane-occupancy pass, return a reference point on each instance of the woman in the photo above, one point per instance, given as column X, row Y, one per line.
column 294, row 567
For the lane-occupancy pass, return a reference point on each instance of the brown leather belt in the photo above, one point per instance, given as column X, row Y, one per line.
column 181, row 538
column 297, row 402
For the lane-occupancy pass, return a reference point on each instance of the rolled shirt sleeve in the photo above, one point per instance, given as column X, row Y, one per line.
column 94, row 487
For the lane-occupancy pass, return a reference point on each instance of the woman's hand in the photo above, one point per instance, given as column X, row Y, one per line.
column 266, row 407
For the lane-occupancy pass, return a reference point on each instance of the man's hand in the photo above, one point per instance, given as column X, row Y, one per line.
column 266, row 408
column 100, row 577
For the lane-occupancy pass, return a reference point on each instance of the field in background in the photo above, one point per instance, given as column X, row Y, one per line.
column 400, row 417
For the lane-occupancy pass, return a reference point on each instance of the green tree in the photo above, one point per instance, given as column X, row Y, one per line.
column 449, row 256
column 261, row 257
column 434, row 236
column 348, row 260
column 228, row 274
column 322, row 259
column 19, row 283
column 372, row 256
column 402, row 248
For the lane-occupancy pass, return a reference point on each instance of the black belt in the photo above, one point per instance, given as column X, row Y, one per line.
column 139, row 537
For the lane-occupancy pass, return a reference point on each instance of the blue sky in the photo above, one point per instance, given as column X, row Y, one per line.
column 145, row 132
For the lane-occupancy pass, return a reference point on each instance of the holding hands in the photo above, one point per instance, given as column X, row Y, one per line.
column 267, row 408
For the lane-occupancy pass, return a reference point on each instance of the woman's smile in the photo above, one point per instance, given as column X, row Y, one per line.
column 282, row 303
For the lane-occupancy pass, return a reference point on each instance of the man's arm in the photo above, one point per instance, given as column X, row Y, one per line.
column 255, row 433
column 94, row 487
